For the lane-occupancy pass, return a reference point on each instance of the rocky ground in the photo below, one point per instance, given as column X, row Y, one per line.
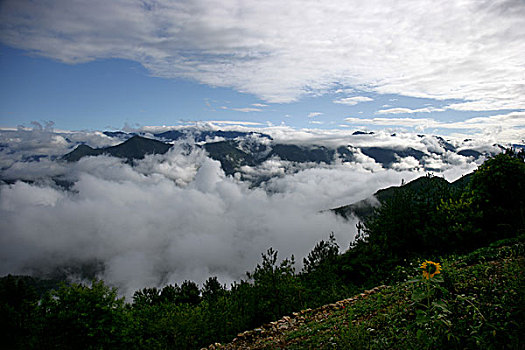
column 275, row 334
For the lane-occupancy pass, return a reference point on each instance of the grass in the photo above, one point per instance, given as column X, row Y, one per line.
column 477, row 302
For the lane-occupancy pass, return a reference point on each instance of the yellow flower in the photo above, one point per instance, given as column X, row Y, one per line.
column 430, row 269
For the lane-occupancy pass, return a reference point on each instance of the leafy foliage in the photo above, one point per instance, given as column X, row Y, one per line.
column 498, row 189
column 321, row 276
column 275, row 287
column 80, row 316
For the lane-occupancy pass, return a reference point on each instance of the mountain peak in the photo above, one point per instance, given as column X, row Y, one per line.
column 80, row 151
column 136, row 147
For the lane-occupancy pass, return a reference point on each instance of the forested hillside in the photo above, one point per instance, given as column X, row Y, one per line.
column 432, row 221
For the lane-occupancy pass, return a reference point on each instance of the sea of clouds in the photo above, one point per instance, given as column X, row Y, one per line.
column 172, row 217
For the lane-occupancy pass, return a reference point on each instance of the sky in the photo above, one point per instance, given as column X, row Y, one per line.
column 450, row 68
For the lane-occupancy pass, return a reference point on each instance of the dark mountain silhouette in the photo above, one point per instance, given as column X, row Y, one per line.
column 203, row 136
column 469, row 153
column 230, row 156
column 387, row 156
column 171, row 135
column 293, row 153
column 119, row 134
column 137, row 147
column 195, row 134
column 82, row 151
column 446, row 145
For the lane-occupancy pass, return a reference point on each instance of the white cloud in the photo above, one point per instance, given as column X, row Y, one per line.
column 501, row 128
column 460, row 49
column 314, row 114
column 233, row 122
column 43, row 141
column 352, row 101
column 488, row 104
column 400, row 110
column 246, row 109
column 241, row 109
column 407, row 163
column 344, row 91
column 410, row 122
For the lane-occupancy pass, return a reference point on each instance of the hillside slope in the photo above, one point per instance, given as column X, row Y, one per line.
column 422, row 185
column 476, row 302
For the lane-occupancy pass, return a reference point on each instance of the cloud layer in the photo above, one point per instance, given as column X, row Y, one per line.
column 177, row 216
column 465, row 50
column 147, row 230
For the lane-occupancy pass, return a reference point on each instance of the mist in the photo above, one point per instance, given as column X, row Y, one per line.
column 172, row 217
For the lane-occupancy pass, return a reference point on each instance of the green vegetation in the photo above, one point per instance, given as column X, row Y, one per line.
column 476, row 301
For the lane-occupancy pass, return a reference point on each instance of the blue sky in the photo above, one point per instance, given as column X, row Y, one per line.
column 454, row 68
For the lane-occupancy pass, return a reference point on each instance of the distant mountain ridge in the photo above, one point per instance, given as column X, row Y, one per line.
column 239, row 149
column 136, row 147
column 196, row 135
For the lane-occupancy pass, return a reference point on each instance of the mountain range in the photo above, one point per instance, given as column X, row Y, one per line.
column 136, row 147
column 234, row 149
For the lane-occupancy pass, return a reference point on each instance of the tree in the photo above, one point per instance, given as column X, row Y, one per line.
column 276, row 287
column 498, row 189
column 458, row 220
column 169, row 294
column 324, row 253
column 320, row 274
column 189, row 293
column 18, row 312
column 212, row 289
column 146, row 296
column 87, row 317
